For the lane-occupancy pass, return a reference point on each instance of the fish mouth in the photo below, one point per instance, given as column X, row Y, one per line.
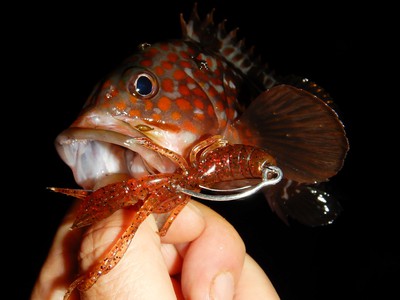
column 100, row 156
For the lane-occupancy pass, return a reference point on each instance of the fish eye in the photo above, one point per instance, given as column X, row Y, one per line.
column 142, row 85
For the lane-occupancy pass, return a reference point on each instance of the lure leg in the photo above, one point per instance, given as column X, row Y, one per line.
column 174, row 213
column 211, row 143
column 175, row 157
column 105, row 265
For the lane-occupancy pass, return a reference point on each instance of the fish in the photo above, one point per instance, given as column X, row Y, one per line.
column 180, row 92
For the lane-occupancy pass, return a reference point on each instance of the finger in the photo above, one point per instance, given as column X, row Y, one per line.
column 214, row 261
column 254, row 283
column 60, row 265
column 140, row 274
column 187, row 226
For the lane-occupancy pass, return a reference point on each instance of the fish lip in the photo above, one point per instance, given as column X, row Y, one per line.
column 96, row 153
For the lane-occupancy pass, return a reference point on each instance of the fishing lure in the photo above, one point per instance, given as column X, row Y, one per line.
column 197, row 114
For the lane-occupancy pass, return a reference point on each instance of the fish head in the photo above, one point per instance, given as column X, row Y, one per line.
column 166, row 92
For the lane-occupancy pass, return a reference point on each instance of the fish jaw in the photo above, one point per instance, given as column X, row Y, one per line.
column 97, row 147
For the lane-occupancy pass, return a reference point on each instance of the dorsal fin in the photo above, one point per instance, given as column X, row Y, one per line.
column 214, row 37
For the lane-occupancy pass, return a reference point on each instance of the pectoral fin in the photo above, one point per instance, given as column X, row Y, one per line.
column 300, row 130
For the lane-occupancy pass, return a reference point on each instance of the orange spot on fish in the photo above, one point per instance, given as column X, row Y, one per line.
column 212, row 91
column 172, row 57
column 164, row 103
column 114, row 92
column 200, row 116
column 199, row 103
column 120, row 105
column 132, row 99
column 146, row 63
column 200, row 75
column 210, row 110
column 135, row 113
column 185, row 64
column 230, row 100
column 199, row 92
column 184, row 90
column 189, row 126
column 156, row 117
column 216, row 80
column 210, row 63
column 230, row 113
column 167, row 85
column 189, row 80
column 184, row 54
column 148, row 105
column 179, row 75
column 159, row 71
column 175, row 115
column 183, row 104
column 219, row 105
column 217, row 70
column 237, row 57
column 227, row 51
column 166, row 65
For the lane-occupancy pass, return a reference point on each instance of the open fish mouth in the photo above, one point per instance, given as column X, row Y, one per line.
column 96, row 156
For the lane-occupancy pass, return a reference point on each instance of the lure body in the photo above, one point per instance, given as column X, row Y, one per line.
column 212, row 161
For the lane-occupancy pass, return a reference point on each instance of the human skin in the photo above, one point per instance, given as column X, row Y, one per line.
column 183, row 264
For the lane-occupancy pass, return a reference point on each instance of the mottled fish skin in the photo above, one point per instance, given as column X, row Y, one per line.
column 196, row 86
column 186, row 95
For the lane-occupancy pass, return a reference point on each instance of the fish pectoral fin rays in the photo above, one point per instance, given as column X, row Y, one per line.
column 309, row 205
column 300, row 130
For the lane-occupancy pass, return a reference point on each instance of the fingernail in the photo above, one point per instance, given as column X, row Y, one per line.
column 222, row 287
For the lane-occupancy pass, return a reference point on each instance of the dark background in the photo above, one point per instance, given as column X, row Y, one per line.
column 60, row 53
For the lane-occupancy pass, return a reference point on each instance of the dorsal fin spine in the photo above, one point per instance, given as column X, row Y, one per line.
column 216, row 38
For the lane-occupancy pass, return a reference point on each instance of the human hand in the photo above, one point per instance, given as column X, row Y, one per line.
column 201, row 257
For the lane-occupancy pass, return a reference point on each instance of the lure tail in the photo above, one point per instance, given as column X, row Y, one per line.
column 98, row 205
column 77, row 193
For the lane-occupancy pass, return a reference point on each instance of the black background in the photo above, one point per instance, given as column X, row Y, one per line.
column 60, row 52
